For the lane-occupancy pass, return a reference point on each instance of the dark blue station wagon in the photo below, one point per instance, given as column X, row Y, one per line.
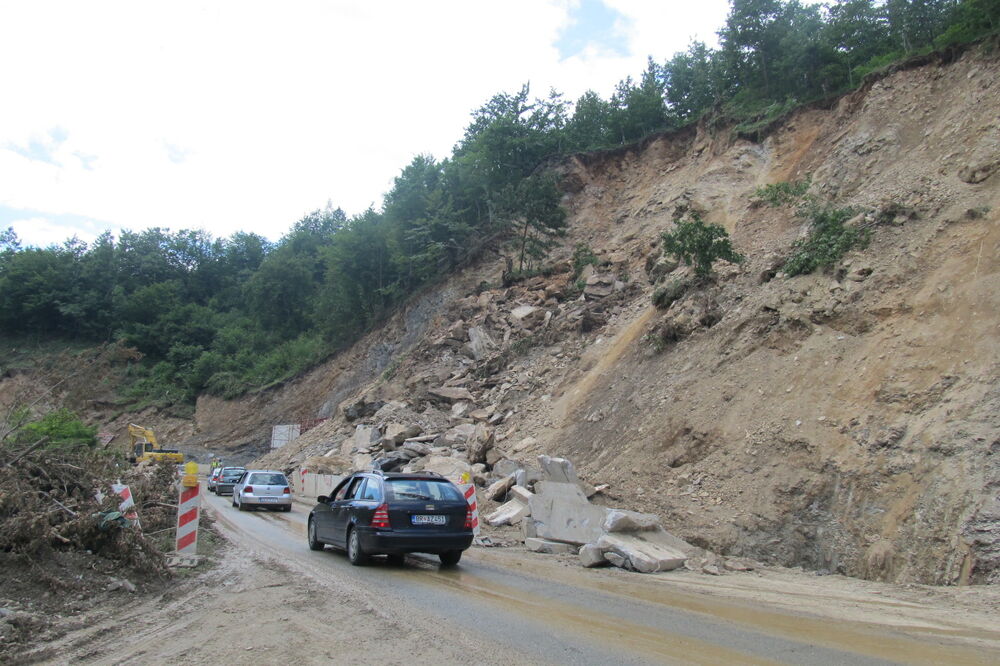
column 377, row 513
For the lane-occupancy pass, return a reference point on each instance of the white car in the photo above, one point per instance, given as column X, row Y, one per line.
column 266, row 488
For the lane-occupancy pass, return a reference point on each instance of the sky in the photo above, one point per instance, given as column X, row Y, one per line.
column 245, row 116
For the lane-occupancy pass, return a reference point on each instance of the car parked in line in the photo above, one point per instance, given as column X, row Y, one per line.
column 228, row 476
column 213, row 478
column 266, row 488
column 379, row 513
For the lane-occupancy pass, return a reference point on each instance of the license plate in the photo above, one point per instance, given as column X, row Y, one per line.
column 267, row 499
column 429, row 520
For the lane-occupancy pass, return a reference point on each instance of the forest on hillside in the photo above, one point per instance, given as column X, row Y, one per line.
column 228, row 315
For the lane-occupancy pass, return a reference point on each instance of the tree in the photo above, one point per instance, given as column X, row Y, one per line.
column 692, row 81
column 699, row 244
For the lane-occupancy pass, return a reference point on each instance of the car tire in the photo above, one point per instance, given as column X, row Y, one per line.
column 355, row 552
column 286, row 509
column 234, row 499
column 242, row 506
column 450, row 558
column 311, row 538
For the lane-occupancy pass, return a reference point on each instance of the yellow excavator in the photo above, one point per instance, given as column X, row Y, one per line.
column 145, row 447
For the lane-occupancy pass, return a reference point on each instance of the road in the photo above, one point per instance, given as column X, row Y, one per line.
column 526, row 608
column 264, row 598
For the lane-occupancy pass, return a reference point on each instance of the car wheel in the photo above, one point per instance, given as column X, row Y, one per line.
column 355, row 553
column 234, row 499
column 242, row 506
column 286, row 509
column 314, row 542
column 450, row 558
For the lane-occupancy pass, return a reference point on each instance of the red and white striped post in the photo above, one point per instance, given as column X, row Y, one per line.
column 469, row 490
column 302, row 480
column 188, row 511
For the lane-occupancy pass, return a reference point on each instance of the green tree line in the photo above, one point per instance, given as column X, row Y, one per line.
column 224, row 316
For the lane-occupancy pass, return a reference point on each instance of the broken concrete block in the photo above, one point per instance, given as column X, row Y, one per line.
column 509, row 513
column 641, row 554
column 568, row 491
column 557, row 469
column 591, row 556
column 521, row 493
column 620, row 520
column 498, row 489
column 536, row 545
column 561, row 519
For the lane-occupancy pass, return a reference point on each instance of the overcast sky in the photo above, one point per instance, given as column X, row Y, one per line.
column 245, row 115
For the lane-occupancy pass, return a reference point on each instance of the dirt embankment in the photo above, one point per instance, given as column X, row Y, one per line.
column 844, row 421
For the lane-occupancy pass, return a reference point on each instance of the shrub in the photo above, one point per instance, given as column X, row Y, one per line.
column 784, row 192
column 63, row 428
column 699, row 244
column 828, row 240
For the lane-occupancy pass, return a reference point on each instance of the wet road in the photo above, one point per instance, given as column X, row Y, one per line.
column 546, row 614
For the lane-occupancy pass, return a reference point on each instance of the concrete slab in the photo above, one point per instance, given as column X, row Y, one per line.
column 570, row 520
column 639, row 553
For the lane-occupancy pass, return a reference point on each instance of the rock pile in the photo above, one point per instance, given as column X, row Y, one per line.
column 556, row 517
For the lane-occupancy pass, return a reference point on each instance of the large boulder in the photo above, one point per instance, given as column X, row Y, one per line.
column 451, row 393
column 509, row 513
column 457, row 436
column 480, row 344
column 564, row 517
column 640, row 553
column 480, row 443
column 497, row 491
column 365, row 436
column 557, row 469
column 620, row 520
column 448, row 467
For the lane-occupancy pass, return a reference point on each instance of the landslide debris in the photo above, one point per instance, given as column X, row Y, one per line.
column 65, row 546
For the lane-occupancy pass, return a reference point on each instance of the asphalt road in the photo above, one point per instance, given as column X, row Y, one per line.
column 533, row 612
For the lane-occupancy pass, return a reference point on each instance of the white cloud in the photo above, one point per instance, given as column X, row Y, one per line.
column 245, row 115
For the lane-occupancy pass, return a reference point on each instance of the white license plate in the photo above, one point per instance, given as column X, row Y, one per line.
column 429, row 520
column 267, row 499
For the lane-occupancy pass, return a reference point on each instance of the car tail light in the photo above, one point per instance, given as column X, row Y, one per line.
column 248, row 489
column 286, row 491
column 381, row 517
column 468, row 517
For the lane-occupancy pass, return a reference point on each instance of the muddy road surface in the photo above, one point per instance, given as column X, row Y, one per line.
column 272, row 600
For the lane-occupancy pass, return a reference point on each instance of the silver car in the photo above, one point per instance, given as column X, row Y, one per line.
column 263, row 487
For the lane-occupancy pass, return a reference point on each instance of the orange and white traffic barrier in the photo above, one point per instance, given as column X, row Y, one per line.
column 469, row 490
column 302, row 480
column 188, row 512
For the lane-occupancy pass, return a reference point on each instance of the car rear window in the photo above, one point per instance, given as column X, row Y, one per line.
column 422, row 489
column 231, row 476
column 268, row 480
